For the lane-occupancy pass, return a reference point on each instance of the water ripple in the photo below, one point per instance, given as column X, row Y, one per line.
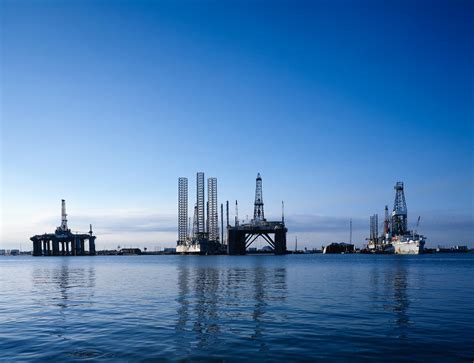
column 161, row 308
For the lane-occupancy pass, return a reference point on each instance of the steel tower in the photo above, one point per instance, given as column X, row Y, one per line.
column 200, row 202
column 212, row 217
column 374, row 227
column 63, row 216
column 182, row 210
column 399, row 213
column 258, row 215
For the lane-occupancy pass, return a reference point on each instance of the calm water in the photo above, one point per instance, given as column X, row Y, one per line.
column 303, row 307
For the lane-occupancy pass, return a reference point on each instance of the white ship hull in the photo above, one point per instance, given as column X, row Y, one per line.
column 188, row 248
column 408, row 247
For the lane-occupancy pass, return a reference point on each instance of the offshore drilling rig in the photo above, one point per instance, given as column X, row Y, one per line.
column 241, row 236
column 396, row 237
column 63, row 242
column 204, row 238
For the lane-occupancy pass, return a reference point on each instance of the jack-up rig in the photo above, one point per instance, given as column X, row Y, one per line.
column 63, row 242
column 396, row 237
column 241, row 236
column 204, row 238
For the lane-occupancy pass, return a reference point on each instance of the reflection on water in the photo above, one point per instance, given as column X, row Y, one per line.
column 400, row 297
column 393, row 293
column 213, row 301
column 65, row 285
column 206, row 322
column 276, row 308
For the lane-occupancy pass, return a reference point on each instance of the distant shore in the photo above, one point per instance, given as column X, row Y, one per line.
column 427, row 251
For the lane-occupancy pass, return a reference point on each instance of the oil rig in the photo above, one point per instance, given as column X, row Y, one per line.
column 396, row 237
column 63, row 242
column 241, row 236
column 203, row 238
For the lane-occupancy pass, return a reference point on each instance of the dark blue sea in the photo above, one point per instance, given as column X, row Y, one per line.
column 252, row 308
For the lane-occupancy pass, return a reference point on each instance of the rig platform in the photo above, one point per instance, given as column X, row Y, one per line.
column 240, row 237
column 63, row 242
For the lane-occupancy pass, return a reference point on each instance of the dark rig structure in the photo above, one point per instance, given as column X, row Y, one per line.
column 241, row 236
column 63, row 242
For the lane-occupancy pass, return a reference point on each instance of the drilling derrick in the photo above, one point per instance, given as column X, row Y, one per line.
column 399, row 213
column 258, row 215
column 63, row 216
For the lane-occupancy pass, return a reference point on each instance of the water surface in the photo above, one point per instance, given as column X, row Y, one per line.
column 287, row 308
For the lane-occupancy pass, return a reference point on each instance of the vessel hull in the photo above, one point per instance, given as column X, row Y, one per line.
column 409, row 247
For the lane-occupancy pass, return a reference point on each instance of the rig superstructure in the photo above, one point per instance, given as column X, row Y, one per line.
column 241, row 236
column 63, row 242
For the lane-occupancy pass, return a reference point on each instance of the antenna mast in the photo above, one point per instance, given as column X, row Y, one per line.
column 350, row 233
column 222, row 223
column 282, row 212
column 227, row 212
column 236, row 214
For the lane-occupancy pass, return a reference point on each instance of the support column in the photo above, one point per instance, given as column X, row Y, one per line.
column 82, row 245
column 280, row 241
column 55, row 247
column 77, row 246
column 92, row 246
column 37, row 248
column 236, row 242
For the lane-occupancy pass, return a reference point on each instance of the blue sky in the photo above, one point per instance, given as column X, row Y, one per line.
column 107, row 103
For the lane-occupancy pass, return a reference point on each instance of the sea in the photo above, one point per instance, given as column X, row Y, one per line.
column 310, row 307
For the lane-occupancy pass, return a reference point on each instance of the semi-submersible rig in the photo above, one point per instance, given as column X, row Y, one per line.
column 63, row 242
column 396, row 238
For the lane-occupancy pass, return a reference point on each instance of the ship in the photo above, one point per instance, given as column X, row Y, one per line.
column 396, row 237
column 408, row 244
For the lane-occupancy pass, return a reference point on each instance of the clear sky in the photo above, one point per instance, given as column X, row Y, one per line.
column 107, row 103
